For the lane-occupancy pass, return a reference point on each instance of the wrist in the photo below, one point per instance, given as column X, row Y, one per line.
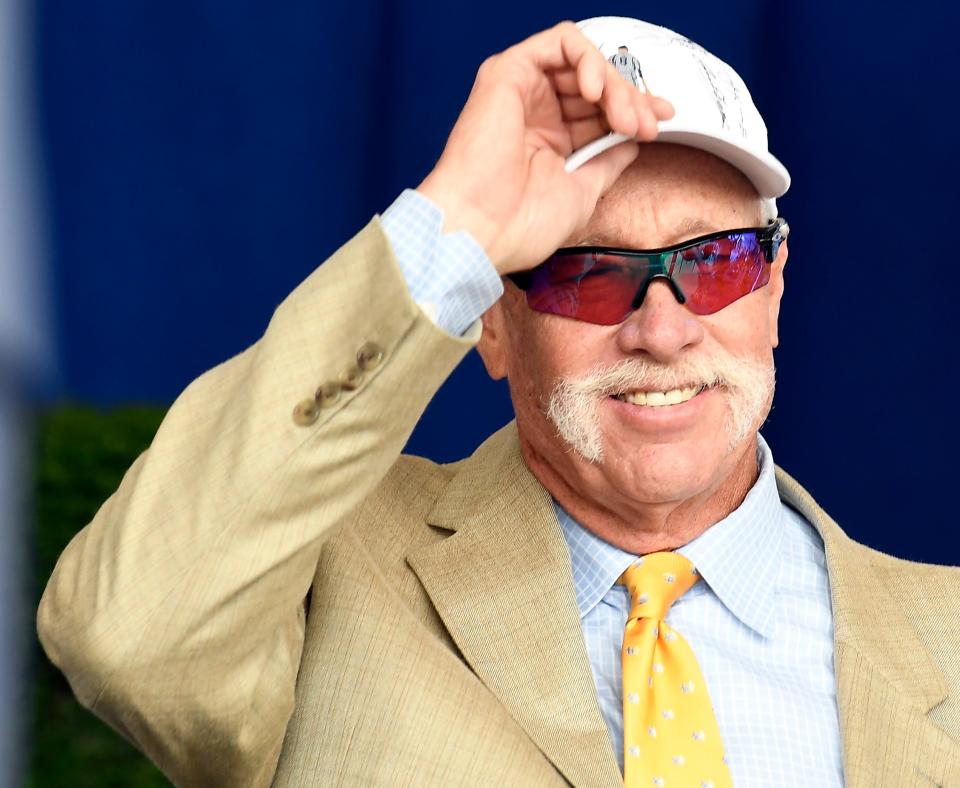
column 459, row 214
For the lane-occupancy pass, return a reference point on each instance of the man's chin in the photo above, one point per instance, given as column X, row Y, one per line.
column 663, row 472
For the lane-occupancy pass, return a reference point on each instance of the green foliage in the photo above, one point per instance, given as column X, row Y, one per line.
column 81, row 457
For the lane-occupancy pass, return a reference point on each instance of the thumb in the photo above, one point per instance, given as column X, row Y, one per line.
column 595, row 178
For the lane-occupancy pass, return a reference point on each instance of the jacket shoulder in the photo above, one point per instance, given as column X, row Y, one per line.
column 407, row 492
column 370, row 552
column 943, row 572
column 930, row 589
column 392, row 521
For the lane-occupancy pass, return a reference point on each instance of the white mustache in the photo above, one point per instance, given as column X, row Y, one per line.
column 747, row 385
column 637, row 374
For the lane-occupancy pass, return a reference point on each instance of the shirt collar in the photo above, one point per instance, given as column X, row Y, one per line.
column 596, row 564
column 738, row 557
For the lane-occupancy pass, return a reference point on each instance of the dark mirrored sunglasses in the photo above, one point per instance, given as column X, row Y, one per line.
column 604, row 285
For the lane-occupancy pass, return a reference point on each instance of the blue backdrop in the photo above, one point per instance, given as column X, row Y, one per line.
column 202, row 157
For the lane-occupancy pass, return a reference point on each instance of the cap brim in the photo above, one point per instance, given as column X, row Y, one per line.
column 766, row 173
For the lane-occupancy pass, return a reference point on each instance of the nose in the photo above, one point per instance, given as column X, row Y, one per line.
column 661, row 327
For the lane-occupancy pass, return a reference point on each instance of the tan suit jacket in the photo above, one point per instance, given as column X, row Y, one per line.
column 266, row 602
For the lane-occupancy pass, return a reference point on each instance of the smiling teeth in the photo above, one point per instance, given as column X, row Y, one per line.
column 657, row 399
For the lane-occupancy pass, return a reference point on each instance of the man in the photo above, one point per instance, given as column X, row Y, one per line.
column 275, row 595
column 628, row 67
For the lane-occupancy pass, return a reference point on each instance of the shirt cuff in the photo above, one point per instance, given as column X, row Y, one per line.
column 449, row 276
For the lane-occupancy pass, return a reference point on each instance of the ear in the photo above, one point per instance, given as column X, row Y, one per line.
column 775, row 286
column 493, row 341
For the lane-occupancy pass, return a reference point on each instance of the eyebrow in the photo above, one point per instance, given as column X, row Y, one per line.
column 690, row 227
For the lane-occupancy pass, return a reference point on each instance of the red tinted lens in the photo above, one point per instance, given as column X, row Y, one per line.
column 716, row 273
column 596, row 288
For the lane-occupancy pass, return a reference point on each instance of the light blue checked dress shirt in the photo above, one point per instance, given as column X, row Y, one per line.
column 760, row 622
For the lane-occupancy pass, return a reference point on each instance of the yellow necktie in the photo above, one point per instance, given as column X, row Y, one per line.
column 670, row 734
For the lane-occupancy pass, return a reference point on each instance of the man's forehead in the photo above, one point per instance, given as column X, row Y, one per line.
column 687, row 227
column 669, row 194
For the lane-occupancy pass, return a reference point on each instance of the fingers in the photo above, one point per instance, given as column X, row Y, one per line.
column 564, row 82
column 622, row 108
column 574, row 106
column 564, row 46
column 581, row 69
column 586, row 130
column 581, row 76
column 629, row 110
column 578, row 108
column 591, row 68
column 662, row 108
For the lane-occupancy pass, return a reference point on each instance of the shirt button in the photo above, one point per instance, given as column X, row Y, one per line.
column 306, row 413
column 327, row 394
column 369, row 356
column 351, row 378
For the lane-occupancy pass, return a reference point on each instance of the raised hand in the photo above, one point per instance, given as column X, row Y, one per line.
column 501, row 175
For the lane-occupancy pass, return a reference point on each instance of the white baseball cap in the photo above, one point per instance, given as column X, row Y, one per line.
column 714, row 110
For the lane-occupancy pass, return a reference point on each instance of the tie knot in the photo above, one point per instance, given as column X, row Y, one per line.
column 656, row 581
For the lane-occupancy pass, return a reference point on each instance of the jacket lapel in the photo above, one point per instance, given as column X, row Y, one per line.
column 886, row 679
column 502, row 584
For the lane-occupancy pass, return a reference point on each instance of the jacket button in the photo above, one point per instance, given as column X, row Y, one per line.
column 351, row 378
column 305, row 413
column 327, row 394
column 369, row 356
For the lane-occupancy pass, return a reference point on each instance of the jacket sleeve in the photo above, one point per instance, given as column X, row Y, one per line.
column 177, row 614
